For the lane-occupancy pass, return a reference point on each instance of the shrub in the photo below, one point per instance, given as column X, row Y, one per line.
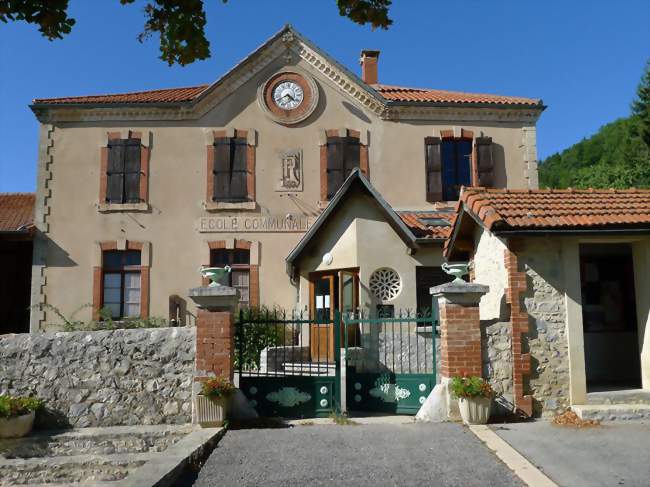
column 218, row 388
column 13, row 406
column 470, row 386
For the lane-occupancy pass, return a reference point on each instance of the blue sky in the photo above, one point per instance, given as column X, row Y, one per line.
column 584, row 58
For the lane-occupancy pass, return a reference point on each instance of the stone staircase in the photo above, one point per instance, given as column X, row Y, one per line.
column 629, row 404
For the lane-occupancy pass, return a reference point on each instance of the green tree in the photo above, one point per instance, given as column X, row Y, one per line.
column 641, row 105
column 179, row 23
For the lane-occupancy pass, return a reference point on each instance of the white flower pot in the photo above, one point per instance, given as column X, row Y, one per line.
column 18, row 426
column 209, row 413
column 475, row 410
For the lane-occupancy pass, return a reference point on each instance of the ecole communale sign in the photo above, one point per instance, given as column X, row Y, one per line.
column 246, row 223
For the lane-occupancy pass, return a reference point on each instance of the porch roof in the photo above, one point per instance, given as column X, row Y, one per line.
column 16, row 212
column 356, row 181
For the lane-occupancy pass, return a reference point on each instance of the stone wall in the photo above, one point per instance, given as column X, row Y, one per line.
column 103, row 378
column 547, row 338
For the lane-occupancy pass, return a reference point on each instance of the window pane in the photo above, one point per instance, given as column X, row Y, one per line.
column 219, row 257
column 132, row 310
column 132, row 296
column 239, row 278
column 241, row 256
column 114, row 309
column 132, row 280
column 117, row 259
column 111, row 295
column 112, row 281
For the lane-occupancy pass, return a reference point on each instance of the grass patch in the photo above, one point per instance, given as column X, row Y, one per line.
column 342, row 419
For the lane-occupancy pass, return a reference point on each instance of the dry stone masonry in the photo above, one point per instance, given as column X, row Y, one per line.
column 103, row 378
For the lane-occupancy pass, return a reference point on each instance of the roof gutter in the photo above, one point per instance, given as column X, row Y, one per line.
column 569, row 232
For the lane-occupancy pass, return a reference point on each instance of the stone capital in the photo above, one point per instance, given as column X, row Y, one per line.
column 215, row 298
column 466, row 293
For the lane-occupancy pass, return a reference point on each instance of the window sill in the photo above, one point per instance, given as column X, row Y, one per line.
column 116, row 207
column 224, row 206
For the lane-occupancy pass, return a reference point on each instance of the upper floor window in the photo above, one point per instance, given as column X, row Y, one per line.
column 239, row 276
column 230, row 170
column 456, row 158
column 121, row 283
column 123, row 171
column 343, row 155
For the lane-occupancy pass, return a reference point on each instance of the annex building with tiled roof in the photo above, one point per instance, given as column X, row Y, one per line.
column 324, row 191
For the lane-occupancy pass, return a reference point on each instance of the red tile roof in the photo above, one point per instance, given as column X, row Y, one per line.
column 502, row 209
column 393, row 93
column 16, row 211
column 169, row 95
column 419, row 223
column 400, row 93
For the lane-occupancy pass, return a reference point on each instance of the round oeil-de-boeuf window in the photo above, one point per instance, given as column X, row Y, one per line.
column 385, row 284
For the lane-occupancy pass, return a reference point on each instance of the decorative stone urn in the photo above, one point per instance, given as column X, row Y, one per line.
column 17, row 427
column 456, row 269
column 475, row 410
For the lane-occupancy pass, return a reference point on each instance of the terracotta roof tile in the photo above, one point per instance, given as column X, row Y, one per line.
column 169, row 95
column 429, row 224
column 400, row 93
column 503, row 209
column 16, row 211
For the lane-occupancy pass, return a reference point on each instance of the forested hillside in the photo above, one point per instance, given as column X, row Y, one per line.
column 617, row 156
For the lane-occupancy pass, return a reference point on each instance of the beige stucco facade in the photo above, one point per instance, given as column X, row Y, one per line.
column 71, row 222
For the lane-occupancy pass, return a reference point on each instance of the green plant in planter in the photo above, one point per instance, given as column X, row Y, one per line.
column 218, row 389
column 470, row 386
column 13, row 406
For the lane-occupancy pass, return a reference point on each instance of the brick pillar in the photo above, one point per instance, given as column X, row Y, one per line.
column 215, row 343
column 460, row 328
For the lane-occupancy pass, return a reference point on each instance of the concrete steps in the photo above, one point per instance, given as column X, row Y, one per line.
column 309, row 368
column 613, row 412
column 626, row 396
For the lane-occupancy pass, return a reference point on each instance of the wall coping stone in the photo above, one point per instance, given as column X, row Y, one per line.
column 459, row 293
column 215, row 298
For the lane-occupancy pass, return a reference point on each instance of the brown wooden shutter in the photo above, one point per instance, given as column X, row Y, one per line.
column 433, row 169
column 352, row 154
column 132, row 171
column 239, row 173
column 335, row 165
column 115, row 172
column 221, row 169
column 485, row 161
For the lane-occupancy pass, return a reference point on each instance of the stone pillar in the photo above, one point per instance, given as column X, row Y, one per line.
column 460, row 345
column 460, row 328
column 215, row 333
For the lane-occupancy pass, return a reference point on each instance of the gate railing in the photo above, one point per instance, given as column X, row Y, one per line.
column 276, row 343
column 402, row 344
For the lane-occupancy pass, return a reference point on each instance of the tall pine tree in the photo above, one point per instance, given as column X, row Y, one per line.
column 641, row 106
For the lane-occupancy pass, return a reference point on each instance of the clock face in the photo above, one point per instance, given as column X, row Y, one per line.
column 288, row 95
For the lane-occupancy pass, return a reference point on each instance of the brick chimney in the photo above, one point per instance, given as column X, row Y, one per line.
column 369, row 61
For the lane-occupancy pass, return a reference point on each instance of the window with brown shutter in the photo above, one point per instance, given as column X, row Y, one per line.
column 240, row 269
column 343, row 155
column 230, row 170
column 485, row 161
column 123, row 171
column 433, row 169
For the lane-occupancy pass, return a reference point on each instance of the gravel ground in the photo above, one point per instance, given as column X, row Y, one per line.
column 359, row 455
column 613, row 454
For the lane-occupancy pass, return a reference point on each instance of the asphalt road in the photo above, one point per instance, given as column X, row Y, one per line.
column 356, row 455
column 615, row 454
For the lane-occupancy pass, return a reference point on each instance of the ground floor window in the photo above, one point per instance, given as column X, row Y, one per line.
column 239, row 276
column 121, row 283
column 425, row 278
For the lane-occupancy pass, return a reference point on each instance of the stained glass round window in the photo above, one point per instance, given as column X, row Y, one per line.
column 385, row 284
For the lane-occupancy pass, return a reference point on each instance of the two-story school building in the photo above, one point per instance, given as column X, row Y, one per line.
column 322, row 189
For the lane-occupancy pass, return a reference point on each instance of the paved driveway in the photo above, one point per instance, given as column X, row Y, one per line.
column 614, row 454
column 357, row 455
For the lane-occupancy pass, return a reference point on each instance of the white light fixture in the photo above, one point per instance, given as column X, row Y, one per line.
column 327, row 258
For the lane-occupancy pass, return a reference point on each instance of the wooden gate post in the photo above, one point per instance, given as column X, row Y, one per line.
column 460, row 332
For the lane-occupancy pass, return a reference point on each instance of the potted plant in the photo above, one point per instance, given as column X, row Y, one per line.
column 474, row 398
column 212, row 402
column 17, row 415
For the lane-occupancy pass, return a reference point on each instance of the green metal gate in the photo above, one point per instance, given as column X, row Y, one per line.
column 281, row 365
column 296, row 367
column 390, row 362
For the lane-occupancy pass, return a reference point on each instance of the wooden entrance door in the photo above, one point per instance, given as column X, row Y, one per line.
column 330, row 292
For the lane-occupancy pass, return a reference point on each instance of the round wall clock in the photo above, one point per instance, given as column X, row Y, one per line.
column 288, row 97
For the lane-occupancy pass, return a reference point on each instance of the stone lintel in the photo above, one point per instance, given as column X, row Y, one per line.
column 215, row 298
